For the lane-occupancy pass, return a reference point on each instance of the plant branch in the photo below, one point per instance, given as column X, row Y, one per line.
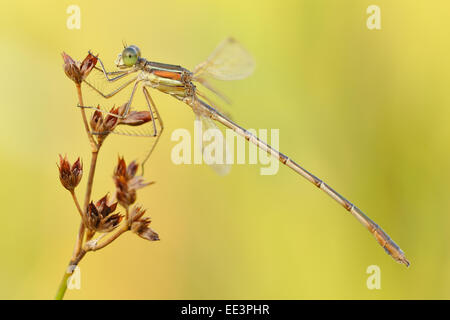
column 94, row 145
column 77, row 204
column 79, row 253
column 67, row 274
column 96, row 247
column 89, row 187
column 62, row 286
column 95, row 149
column 97, row 217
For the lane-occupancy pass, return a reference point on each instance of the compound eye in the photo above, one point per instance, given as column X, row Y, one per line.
column 130, row 56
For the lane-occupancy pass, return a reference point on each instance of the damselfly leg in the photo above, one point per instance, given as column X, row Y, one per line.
column 120, row 73
column 151, row 104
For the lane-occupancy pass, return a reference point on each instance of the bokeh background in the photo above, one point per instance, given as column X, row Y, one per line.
column 367, row 111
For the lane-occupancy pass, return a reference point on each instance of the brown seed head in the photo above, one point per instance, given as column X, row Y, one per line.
column 140, row 226
column 124, row 194
column 102, row 127
column 133, row 118
column 71, row 69
column 70, row 175
column 136, row 213
column 76, row 71
column 87, row 65
column 100, row 217
column 127, row 182
column 136, row 118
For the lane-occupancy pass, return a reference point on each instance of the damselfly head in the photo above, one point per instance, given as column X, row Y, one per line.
column 129, row 57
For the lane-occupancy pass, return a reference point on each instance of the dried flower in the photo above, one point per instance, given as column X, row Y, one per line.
column 88, row 64
column 100, row 217
column 142, row 229
column 127, row 172
column 127, row 182
column 77, row 71
column 136, row 213
column 133, row 118
column 140, row 225
column 136, row 118
column 104, row 126
column 70, row 176
column 124, row 194
column 71, row 69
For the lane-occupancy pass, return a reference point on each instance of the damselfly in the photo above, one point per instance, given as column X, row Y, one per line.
column 229, row 61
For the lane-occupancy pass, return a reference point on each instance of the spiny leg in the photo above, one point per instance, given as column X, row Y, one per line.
column 146, row 94
column 127, row 109
column 114, row 92
column 151, row 104
column 122, row 73
column 110, row 73
column 100, row 110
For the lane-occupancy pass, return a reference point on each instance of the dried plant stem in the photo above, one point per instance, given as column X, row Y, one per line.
column 95, row 150
column 74, row 262
column 90, row 178
column 77, row 204
column 78, row 252
column 94, row 144
column 118, row 233
column 90, row 183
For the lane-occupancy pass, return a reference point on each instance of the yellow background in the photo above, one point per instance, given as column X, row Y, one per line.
column 367, row 111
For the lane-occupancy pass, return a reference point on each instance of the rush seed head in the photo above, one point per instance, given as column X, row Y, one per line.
column 77, row 71
column 127, row 182
column 100, row 217
column 140, row 225
column 70, row 175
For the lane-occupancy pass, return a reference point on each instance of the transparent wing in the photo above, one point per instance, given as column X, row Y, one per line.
column 214, row 149
column 140, row 121
column 96, row 81
column 229, row 61
column 211, row 88
column 135, row 136
column 145, row 135
column 212, row 102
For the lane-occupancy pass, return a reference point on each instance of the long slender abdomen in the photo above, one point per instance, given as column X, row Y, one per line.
column 383, row 239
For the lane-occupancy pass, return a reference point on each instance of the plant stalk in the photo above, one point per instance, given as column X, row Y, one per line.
column 67, row 274
column 79, row 253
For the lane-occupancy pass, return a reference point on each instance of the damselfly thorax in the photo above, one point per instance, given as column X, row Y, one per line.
column 171, row 79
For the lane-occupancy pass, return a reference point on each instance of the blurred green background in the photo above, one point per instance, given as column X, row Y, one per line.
column 367, row 111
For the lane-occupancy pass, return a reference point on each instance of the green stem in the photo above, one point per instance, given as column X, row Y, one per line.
column 62, row 286
column 69, row 271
